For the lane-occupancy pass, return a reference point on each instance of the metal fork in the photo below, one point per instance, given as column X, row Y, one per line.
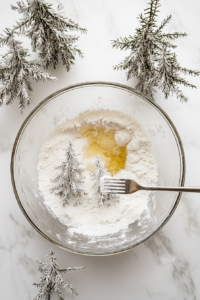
column 112, row 185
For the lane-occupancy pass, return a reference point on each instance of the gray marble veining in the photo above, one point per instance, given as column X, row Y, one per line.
column 167, row 266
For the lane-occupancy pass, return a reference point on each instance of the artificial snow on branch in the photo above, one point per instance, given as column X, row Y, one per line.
column 51, row 279
column 151, row 59
column 48, row 30
column 103, row 198
column 69, row 180
column 15, row 74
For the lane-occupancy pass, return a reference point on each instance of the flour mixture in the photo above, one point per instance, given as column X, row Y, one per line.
column 126, row 152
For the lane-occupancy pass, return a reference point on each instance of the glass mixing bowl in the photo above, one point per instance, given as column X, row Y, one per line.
column 69, row 103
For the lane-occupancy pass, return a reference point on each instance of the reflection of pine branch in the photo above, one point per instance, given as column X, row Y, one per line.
column 103, row 198
column 51, row 280
column 15, row 74
column 68, row 182
column 146, row 60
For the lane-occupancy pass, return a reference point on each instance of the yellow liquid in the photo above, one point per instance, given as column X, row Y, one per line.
column 102, row 143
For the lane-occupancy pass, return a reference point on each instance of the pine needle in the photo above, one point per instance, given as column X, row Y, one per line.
column 151, row 59
column 51, row 279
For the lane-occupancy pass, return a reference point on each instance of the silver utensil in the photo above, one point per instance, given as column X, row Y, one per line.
column 112, row 185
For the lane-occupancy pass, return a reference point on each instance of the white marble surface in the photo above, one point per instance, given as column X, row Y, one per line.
column 167, row 266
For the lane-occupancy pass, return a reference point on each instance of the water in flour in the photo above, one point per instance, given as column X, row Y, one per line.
column 88, row 218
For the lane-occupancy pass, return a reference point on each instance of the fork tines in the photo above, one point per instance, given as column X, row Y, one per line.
column 112, row 185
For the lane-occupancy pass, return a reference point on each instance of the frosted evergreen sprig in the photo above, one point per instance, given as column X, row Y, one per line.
column 168, row 75
column 16, row 72
column 48, row 30
column 52, row 280
column 100, row 171
column 151, row 59
column 68, row 183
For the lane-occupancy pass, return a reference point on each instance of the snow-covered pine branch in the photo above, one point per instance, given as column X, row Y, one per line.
column 68, row 183
column 48, row 30
column 16, row 72
column 103, row 198
column 168, row 75
column 51, row 279
column 147, row 60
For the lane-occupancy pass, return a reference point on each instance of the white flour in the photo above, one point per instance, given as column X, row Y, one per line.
column 89, row 218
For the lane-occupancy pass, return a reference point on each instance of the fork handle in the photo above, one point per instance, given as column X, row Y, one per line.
column 173, row 189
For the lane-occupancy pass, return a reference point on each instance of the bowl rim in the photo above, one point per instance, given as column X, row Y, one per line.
column 116, row 85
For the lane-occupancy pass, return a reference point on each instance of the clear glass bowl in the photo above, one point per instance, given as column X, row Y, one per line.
column 68, row 103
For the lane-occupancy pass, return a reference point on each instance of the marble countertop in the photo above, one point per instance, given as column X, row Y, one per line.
column 167, row 266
